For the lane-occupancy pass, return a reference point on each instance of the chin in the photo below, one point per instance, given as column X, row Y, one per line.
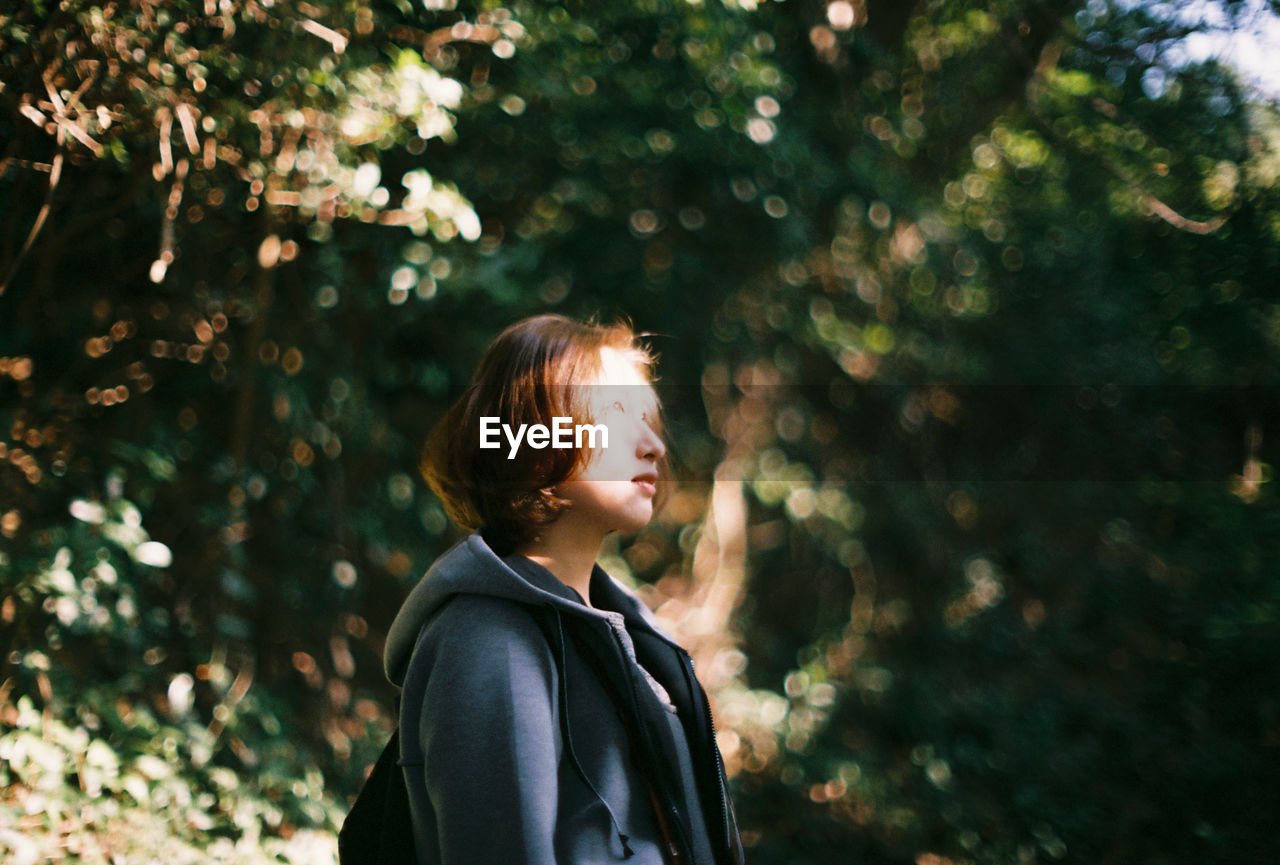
column 634, row 522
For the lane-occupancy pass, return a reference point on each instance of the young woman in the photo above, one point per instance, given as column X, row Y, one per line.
column 545, row 716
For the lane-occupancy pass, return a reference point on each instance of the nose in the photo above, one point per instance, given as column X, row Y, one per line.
column 650, row 445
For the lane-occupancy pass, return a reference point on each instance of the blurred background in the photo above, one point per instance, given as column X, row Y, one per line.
column 968, row 323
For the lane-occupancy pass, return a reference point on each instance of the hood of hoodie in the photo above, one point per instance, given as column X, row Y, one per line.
column 472, row 567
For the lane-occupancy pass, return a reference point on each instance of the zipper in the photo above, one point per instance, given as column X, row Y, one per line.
column 669, row 814
column 715, row 749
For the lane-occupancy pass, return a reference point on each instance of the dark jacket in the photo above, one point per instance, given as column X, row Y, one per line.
column 533, row 730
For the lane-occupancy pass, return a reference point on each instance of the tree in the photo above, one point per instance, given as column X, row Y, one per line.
column 966, row 336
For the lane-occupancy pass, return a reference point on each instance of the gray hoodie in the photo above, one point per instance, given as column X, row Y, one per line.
column 539, row 730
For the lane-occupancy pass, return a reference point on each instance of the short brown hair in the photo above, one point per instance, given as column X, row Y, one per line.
column 533, row 372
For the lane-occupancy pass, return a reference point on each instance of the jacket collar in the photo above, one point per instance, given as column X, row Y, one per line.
column 607, row 595
column 472, row 567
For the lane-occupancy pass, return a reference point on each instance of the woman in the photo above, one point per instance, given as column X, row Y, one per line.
column 546, row 717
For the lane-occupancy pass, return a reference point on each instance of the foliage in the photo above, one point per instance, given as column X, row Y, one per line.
column 969, row 304
column 75, row 797
column 128, row 768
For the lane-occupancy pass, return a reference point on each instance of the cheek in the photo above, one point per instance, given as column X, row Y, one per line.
column 589, row 459
column 605, row 464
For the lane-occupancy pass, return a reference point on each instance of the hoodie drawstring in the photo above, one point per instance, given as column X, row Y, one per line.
column 627, row 852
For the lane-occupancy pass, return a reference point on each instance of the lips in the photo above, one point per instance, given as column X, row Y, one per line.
column 647, row 482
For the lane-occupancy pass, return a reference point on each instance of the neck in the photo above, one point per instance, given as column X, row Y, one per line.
column 569, row 551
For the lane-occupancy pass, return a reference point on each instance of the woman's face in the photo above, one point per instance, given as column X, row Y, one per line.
column 615, row 488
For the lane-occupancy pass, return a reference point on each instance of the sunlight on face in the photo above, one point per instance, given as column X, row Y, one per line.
column 622, row 392
column 616, row 486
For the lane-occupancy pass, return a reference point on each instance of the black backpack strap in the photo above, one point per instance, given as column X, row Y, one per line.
column 378, row 829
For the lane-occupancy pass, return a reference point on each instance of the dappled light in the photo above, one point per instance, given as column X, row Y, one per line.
column 968, row 345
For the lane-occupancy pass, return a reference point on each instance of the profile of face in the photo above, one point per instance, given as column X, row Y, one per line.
column 615, row 488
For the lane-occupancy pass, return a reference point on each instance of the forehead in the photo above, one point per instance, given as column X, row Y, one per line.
column 619, row 368
column 622, row 376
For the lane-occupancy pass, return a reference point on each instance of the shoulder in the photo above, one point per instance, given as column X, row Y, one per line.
column 483, row 657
